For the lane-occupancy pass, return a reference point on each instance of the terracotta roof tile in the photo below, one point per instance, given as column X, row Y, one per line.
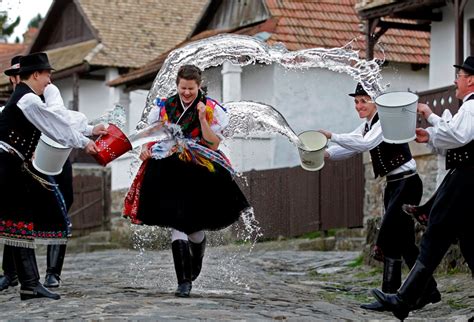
column 65, row 57
column 333, row 23
column 301, row 24
column 134, row 31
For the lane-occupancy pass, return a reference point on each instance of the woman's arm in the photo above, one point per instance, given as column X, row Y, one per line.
column 210, row 138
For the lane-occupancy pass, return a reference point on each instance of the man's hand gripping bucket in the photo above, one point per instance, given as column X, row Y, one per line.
column 111, row 145
column 312, row 155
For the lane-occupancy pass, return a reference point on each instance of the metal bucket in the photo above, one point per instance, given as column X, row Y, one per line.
column 111, row 145
column 397, row 113
column 50, row 156
column 312, row 156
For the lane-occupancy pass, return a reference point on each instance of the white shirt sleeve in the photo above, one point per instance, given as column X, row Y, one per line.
column 454, row 133
column 357, row 142
column 55, row 103
column 47, row 120
column 337, row 152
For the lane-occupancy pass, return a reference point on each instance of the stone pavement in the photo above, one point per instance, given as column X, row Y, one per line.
column 273, row 281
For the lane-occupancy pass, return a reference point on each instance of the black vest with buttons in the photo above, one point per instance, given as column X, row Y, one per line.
column 15, row 129
column 462, row 156
column 386, row 157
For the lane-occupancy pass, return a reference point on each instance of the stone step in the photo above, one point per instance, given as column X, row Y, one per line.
column 350, row 244
column 352, row 232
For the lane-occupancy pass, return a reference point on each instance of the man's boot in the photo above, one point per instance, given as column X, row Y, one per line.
column 392, row 279
column 25, row 262
column 197, row 254
column 55, row 260
column 410, row 292
column 10, row 278
column 431, row 293
column 182, row 266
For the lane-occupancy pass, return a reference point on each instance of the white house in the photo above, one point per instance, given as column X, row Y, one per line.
column 90, row 42
column 309, row 99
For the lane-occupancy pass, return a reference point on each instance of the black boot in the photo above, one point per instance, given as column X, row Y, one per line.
column 10, row 278
column 392, row 279
column 182, row 266
column 55, row 260
column 25, row 262
column 410, row 292
column 197, row 254
column 430, row 296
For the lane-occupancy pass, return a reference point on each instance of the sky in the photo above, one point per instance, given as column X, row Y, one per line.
column 26, row 9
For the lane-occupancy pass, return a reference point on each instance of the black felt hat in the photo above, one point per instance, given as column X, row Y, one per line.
column 34, row 62
column 15, row 66
column 468, row 65
column 359, row 91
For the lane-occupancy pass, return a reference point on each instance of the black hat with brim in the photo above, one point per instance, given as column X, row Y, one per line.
column 468, row 65
column 34, row 62
column 359, row 91
column 15, row 66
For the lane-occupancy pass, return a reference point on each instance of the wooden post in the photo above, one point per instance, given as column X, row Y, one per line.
column 75, row 92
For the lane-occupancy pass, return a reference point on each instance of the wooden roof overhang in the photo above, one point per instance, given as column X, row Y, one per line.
column 406, row 15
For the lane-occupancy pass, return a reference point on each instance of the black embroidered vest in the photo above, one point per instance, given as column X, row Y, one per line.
column 462, row 156
column 386, row 157
column 189, row 122
column 15, row 129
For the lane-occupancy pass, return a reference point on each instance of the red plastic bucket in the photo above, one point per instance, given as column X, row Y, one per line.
column 112, row 145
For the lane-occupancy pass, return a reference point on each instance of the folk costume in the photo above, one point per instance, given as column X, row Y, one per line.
column 450, row 217
column 185, row 185
column 162, row 193
column 26, row 218
column 396, row 237
column 63, row 196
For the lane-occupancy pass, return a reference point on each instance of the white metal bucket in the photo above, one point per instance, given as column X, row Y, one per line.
column 50, row 156
column 312, row 157
column 397, row 113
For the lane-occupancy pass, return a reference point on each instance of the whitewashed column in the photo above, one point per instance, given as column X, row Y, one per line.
column 231, row 82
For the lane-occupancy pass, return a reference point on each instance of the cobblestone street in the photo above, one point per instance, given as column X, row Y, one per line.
column 274, row 281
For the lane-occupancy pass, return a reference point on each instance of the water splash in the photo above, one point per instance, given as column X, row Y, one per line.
column 115, row 115
column 248, row 118
column 245, row 50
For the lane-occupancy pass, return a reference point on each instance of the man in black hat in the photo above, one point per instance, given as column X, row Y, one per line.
column 23, row 218
column 451, row 216
column 396, row 237
column 9, row 277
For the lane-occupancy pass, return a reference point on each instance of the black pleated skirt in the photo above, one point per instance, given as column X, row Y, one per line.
column 29, row 213
column 188, row 197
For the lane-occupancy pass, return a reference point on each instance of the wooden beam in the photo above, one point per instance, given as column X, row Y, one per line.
column 399, row 6
column 75, row 92
column 459, row 32
column 417, row 15
column 404, row 26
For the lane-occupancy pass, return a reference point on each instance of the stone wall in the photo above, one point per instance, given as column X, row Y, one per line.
column 431, row 171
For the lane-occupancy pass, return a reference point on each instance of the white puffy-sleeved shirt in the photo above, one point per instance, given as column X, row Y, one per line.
column 451, row 133
column 53, row 119
column 349, row 144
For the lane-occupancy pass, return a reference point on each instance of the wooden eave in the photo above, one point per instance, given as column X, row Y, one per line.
column 419, row 10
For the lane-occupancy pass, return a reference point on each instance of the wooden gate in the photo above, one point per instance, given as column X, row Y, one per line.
column 291, row 201
column 91, row 208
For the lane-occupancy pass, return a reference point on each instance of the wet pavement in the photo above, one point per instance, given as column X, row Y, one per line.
column 274, row 281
